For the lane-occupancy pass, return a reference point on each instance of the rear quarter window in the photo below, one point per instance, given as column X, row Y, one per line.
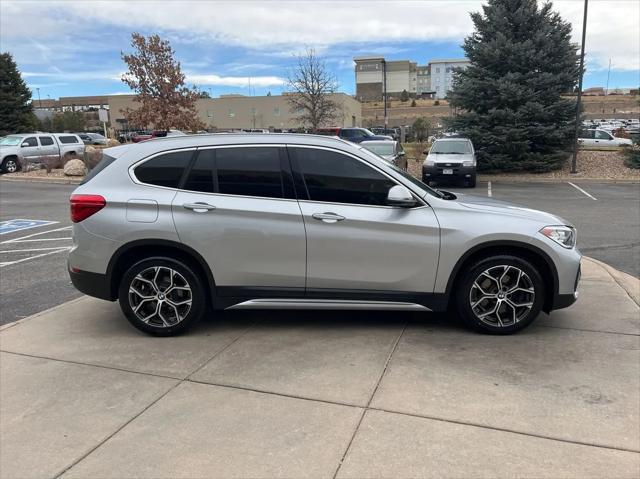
column 164, row 170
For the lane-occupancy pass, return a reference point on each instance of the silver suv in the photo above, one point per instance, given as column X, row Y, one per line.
column 240, row 221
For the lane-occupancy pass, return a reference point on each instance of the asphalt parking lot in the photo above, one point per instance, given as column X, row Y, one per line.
column 33, row 261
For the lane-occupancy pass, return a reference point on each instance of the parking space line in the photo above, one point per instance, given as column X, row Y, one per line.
column 24, row 238
column 489, row 193
column 582, row 191
column 59, row 250
column 30, row 250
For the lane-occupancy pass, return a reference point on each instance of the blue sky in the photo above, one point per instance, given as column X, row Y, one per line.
column 73, row 47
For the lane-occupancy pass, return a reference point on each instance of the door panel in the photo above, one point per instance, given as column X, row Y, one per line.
column 247, row 242
column 48, row 147
column 372, row 248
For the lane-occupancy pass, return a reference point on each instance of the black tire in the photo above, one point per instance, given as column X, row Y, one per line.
column 10, row 165
column 162, row 323
column 515, row 318
column 471, row 182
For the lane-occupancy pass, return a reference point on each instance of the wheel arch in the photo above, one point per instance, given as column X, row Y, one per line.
column 11, row 157
column 135, row 251
column 533, row 254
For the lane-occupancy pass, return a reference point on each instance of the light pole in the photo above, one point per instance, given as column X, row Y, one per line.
column 574, row 160
column 39, row 100
column 384, row 91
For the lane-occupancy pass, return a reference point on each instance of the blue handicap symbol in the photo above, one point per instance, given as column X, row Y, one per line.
column 21, row 224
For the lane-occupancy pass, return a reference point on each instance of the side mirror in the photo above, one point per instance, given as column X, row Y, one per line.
column 25, row 144
column 401, row 153
column 400, row 196
column 425, row 152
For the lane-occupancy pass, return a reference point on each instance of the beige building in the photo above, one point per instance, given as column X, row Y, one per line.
column 244, row 112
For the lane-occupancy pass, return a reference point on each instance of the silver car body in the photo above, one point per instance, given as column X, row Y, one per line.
column 255, row 248
column 34, row 147
column 602, row 138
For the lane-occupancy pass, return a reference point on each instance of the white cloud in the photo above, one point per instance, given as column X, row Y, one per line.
column 286, row 27
column 259, row 81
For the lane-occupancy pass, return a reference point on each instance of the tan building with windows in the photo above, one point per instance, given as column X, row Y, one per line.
column 246, row 112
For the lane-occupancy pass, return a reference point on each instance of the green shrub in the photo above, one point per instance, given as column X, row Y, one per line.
column 632, row 159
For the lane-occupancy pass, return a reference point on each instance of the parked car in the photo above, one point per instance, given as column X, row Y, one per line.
column 599, row 137
column 392, row 132
column 389, row 150
column 35, row 147
column 92, row 138
column 450, row 159
column 354, row 135
column 252, row 221
column 155, row 134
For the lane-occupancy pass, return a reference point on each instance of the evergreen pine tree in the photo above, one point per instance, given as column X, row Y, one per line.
column 16, row 111
column 522, row 61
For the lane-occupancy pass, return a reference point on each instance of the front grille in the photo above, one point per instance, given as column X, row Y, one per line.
column 448, row 165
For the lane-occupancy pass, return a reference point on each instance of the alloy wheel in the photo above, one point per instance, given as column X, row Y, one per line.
column 502, row 296
column 160, row 296
column 11, row 166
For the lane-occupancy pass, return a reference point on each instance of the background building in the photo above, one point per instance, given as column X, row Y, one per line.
column 401, row 75
column 442, row 74
column 225, row 113
column 433, row 79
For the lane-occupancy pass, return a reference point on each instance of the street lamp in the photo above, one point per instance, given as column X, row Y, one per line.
column 39, row 101
column 384, row 91
column 574, row 168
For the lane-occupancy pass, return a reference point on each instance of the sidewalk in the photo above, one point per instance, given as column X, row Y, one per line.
column 310, row 394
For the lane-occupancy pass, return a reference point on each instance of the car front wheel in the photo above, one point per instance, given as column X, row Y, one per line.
column 162, row 296
column 10, row 165
column 500, row 295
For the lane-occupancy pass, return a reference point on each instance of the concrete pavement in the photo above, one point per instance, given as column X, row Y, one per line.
column 311, row 394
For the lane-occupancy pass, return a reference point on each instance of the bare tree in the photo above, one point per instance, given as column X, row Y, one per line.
column 165, row 101
column 311, row 86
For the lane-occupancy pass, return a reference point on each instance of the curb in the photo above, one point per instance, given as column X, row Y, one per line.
column 630, row 284
column 36, row 179
column 559, row 180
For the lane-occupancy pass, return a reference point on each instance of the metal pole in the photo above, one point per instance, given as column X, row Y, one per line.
column 574, row 160
column 39, row 100
column 384, row 94
column 606, row 92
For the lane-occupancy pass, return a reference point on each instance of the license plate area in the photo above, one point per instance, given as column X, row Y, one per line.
column 447, row 171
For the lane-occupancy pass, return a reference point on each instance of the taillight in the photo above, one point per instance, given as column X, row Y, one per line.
column 83, row 206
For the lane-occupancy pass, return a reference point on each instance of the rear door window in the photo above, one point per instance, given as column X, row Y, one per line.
column 46, row 141
column 202, row 176
column 164, row 170
column 250, row 171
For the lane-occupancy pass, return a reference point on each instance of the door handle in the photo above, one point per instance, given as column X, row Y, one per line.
column 328, row 217
column 199, row 207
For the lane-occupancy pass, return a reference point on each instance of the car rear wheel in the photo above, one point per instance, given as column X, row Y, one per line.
column 500, row 295
column 10, row 165
column 162, row 296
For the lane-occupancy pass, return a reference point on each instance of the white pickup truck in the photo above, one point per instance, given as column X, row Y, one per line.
column 35, row 147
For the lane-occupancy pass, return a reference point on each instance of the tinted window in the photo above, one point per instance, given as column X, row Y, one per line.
column 68, row 139
column 31, row 141
column 201, row 176
column 337, row 178
column 102, row 164
column 46, row 140
column 249, row 171
column 588, row 134
column 165, row 170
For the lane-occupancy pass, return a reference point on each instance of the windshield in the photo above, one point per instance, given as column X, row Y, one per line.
column 449, row 147
column 382, row 149
column 11, row 141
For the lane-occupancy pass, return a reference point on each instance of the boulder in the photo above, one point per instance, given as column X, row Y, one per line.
column 111, row 142
column 74, row 168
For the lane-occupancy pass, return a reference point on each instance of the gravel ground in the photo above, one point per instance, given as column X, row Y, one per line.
column 592, row 164
column 56, row 173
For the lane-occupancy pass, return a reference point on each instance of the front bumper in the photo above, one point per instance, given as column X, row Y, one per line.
column 432, row 173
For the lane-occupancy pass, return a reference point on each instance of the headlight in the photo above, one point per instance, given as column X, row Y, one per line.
column 565, row 236
column 469, row 163
column 429, row 162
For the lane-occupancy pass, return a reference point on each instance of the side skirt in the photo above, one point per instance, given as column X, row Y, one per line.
column 298, row 298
